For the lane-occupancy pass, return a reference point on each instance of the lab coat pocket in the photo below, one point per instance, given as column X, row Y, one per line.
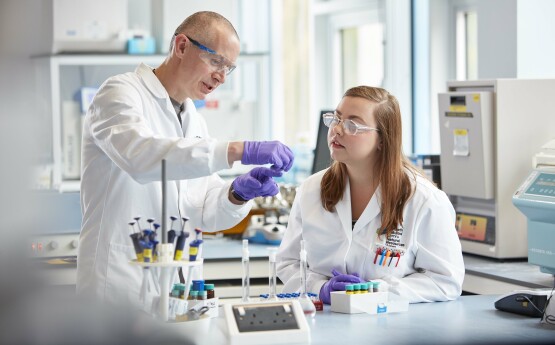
column 123, row 279
column 383, row 260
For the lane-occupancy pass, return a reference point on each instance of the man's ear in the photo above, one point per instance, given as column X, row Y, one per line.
column 180, row 44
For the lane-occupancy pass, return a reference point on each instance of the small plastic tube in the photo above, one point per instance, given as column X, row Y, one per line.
column 304, row 299
column 370, row 287
column 273, row 273
column 209, row 291
column 246, row 277
column 376, row 287
column 363, row 287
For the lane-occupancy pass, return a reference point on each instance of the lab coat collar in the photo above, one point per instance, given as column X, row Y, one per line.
column 191, row 127
column 154, row 85
column 151, row 81
column 343, row 208
column 370, row 212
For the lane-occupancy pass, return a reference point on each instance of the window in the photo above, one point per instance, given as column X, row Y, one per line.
column 466, row 33
column 362, row 55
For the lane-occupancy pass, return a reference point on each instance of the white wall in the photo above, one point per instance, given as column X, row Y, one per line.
column 535, row 39
column 497, row 39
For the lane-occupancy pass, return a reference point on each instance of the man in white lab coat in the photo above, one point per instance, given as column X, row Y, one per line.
column 371, row 215
column 138, row 119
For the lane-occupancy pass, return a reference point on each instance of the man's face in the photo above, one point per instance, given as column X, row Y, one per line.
column 205, row 64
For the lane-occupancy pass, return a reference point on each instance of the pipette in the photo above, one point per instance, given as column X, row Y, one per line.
column 171, row 233
column 137, row 220
column 194, row 246
column 150, row 221
column 246, row 277
column 305, row 300
column 180, row 245
column 135, row 238
column 273, row 274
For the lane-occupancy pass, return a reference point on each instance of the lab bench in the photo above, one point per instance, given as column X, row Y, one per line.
column 467, row 320
column 491, row 276
column 222, row 266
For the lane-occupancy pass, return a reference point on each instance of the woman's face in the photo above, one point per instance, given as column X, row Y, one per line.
column 360, row 149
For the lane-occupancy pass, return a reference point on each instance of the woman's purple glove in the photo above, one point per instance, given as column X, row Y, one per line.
column 257, row 182
column 337, row 283
column 264, row 152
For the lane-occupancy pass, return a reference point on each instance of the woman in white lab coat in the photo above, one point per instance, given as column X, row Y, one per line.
column 371, row 215
column 136, row 120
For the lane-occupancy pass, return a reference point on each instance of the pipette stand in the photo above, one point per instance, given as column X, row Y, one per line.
column 165, row 279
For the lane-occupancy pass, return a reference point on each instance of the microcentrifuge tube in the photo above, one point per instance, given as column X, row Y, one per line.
column 305, row 300
column 246, row 277
column 273, row 274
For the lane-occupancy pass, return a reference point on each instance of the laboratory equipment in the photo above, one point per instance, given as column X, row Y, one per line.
column 267, row 228
column 81, row 26
column 305, row 301
column 276, row 323
column 536, row 200
column 272, row 274
column 524, row 302
column 171, row 232
column 245, row 282
column 488, row 130
column 195, row 246
column 180, row 245
column 322, row 157
column 369, row 303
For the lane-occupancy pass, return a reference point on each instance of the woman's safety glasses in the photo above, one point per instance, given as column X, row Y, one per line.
column 349, row 126
column 212, row 58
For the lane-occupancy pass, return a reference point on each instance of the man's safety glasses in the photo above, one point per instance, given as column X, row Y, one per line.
column 349, row 126
column 212, row 58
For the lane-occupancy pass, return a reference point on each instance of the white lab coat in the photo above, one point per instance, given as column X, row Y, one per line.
column 130, row 127
column 430, row 269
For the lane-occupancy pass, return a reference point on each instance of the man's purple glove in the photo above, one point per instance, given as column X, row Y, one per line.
column 257, row 182
column 337, row 283
column 264, row 152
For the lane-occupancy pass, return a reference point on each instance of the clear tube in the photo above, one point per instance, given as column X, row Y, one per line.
column 273, row 274
column 246, row 277
column 304, row 299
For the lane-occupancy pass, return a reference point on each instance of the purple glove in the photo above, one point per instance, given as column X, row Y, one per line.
column 264, row 152
column 257, row 182
column 337, row 283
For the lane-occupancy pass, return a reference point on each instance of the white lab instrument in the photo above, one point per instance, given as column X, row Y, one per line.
column 536, row 200
column 246, row 277
column 89, row 26
column 369, row 303
column 306, row 302
column 489, row 129
column 276, row 323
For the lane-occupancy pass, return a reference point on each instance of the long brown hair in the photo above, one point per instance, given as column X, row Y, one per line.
column 391, row 166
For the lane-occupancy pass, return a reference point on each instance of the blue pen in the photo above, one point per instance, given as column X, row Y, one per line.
column 382, row 256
